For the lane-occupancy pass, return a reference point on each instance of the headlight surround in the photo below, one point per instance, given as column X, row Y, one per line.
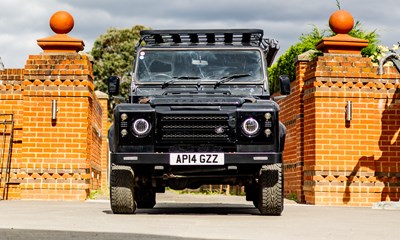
column 141, row 127
column 250, row 127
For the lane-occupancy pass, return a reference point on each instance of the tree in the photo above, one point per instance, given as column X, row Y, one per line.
column 113, row 54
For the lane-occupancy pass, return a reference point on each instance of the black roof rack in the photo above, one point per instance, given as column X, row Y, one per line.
column 251, row 37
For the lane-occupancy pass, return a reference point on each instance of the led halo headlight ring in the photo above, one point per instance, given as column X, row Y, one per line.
column 250, row 127
column 141, row 127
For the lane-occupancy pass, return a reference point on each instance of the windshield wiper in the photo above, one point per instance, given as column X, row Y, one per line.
column 230, row 78
column 187, row 77
column 176, row 79
column 169, row 82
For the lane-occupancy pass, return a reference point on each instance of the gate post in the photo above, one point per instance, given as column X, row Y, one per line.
column 62, row 132
column 350, row 148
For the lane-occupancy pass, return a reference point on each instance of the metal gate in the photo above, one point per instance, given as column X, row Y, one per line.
column 6, row 136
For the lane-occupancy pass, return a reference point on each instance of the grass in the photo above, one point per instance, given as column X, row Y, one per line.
column 293, row 197
column 96, row 194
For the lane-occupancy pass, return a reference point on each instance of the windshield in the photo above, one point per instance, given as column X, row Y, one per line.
column 158, row 65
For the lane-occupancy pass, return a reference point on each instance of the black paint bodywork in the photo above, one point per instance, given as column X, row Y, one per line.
column 193, row 118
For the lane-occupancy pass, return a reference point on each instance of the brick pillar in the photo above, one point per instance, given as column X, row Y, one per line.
column 350, row 162
column 339, row 161
column 56, row 152
column 61, row 133
column 60, row 124
column 336, row 149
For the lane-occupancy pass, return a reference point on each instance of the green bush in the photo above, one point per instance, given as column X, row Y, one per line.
column 285, row 65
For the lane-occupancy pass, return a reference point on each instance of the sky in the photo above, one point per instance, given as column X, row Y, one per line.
column 22, row 22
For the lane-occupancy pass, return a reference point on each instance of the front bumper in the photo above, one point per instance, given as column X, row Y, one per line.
column 237, row 158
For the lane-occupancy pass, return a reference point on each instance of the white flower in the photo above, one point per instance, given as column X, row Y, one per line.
column 383, row 49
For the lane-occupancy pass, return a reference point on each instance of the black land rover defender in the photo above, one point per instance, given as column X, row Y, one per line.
column 199, row 112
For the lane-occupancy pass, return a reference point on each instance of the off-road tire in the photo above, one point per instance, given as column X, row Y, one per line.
column 122, row 185
column 271, row 190
column 145, row 197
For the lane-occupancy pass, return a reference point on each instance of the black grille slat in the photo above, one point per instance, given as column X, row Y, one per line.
column 194, row 126
column 184, row 117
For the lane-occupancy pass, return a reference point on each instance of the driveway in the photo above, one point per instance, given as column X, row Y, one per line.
column 192, row 217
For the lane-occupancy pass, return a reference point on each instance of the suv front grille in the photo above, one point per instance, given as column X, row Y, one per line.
column 195, row 128
column 194, row 136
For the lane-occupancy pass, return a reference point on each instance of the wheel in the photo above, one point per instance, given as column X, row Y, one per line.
column 270, row 182
column 122, row 190
column 145, row 197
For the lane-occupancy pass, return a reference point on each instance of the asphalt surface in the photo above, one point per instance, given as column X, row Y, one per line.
column 192, row 217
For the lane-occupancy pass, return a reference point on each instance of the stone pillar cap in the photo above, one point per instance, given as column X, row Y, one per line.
column 341, row 22
column 61, row 23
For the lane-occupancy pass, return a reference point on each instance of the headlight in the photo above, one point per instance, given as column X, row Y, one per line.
column 141, row 127
column 250, row 127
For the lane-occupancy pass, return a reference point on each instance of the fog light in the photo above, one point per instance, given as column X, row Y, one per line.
column 124, row 132
column 268, row 116
column 124, row 116
column 267, row 132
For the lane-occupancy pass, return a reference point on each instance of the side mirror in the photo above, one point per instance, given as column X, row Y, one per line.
column 284, row 84
column 113, row 85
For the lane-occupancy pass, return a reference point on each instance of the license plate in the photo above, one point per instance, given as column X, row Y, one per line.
column 196, row 158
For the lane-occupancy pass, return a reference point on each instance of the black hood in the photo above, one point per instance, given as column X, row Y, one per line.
column 196, row 100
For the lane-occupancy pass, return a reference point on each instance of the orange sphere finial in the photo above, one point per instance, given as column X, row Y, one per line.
column 341, row 22
column 61, row 22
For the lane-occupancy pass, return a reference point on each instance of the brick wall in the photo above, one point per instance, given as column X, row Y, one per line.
column 95, row 140
column 353, row 162
column 60, row 158
column 103, row 101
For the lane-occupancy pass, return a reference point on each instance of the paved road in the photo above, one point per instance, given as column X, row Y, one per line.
column 192, row 217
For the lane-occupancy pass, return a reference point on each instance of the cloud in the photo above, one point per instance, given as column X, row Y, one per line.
column 23, row 22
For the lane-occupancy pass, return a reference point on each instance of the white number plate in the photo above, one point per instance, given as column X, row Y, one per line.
column 196, row 158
